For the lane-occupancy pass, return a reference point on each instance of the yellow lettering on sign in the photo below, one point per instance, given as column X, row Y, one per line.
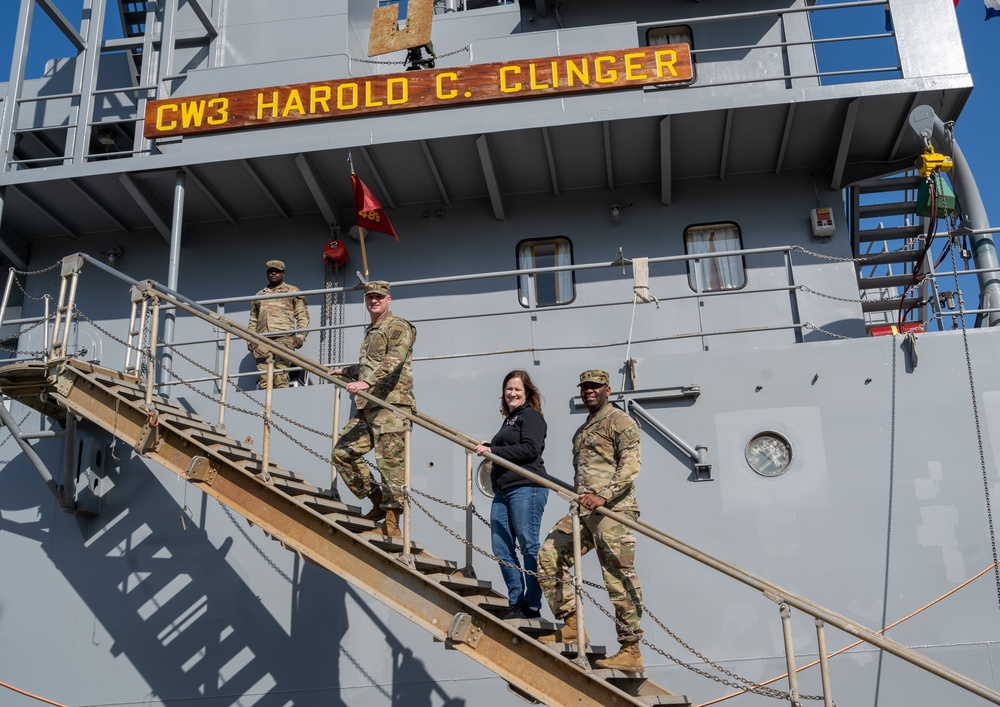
column 505, row 86
column 161, row 124
column 369, row 101
column 342, row 91
column 221, row 104
column 404, row 91
column 319, row 96
column 555, row 74
column 666, row 58
column 610, row 75
column 261, row 105
column 192, row 113
column 581, row 71
column 293, row 103
column 631, row 66
column 535, row 86
column 450, row 93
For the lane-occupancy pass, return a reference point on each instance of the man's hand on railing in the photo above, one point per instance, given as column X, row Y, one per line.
column 297, row 342
column 590, row 501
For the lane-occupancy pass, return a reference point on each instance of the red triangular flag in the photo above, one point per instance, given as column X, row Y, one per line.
column 370, row 213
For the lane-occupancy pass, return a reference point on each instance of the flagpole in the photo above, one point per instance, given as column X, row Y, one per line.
column 364, row 256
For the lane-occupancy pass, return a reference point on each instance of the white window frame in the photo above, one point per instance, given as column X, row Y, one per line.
column 716, row 274
column 545, row 253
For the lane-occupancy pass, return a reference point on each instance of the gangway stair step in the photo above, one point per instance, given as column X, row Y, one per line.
column 434, row 593
column 884, row 282
column 892, row 233
column 905, row 182
column 893, row 208
column 893, row 257
column 889, row 305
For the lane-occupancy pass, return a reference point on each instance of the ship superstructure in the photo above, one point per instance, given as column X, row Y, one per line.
column 778, row 253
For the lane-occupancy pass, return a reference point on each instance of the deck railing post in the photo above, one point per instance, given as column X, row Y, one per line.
column 266, row 446
column 224, row 378
column 407, row 449
column 151, row 353
column 468, row 571
column 6, row 295
column 581, row 640
column 334, row 436
column 793, row 678
column 824, row 663
column 45, row 326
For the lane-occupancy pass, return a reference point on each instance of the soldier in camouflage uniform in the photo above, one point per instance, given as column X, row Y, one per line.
column 606, row 463
column 384, row 372
column 275, row 315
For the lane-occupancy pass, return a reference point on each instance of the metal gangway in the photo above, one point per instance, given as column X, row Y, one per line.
column 441, row 596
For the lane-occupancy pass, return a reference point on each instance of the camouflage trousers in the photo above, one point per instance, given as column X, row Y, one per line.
column 376, row 428
column 280, row 378
column 615, row 545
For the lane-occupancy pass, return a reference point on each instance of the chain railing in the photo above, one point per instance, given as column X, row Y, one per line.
column 143, row 342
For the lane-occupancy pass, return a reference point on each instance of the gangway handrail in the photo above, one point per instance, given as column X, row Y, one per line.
column 770, row 590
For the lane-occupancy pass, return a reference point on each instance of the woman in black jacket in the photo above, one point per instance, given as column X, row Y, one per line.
column 518, row 503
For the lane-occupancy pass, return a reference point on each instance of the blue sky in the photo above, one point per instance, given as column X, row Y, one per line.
column 976, row 130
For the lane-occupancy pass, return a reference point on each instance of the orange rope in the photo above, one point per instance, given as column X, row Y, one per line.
column 28, row 694
column 858, row 643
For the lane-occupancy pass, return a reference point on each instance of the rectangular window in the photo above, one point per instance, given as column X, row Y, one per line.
column 717, row 273
column 548, row 288
column 679, row 34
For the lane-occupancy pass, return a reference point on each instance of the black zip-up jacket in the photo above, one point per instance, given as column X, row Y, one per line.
column 521, row 440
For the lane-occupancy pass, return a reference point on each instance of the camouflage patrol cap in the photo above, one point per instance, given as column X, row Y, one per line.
column 276, row 265
column 377, row 287
column 594, row 376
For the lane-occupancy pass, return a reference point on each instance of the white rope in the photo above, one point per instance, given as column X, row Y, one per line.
column 640, row 293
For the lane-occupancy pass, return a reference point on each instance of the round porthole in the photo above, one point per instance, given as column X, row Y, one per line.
column 769, row 454
column 483, row 478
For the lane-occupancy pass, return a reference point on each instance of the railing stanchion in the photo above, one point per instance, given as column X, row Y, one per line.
column 266, row 446
column 407, row 442
column 45, row 326
column 824, row 663
column 131, row 332
column 224, row 379
column 468, row 571
column 6, row 296
column 60, row 308
column 793, row 678
column 334, row 437
column 581, row 640
column 74, row 279
column 151, row 353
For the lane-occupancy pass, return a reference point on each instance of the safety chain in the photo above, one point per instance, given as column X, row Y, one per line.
column 821, row 330
column 406, row 61
column 806, row 288
column 254, row 545
column 22, row 333
column 456, row 506
column 860, row 259
column 54, row 265
column 979, row 431
column 259, row 414
column 738, row 682
column 145, row 357
column 25, row 292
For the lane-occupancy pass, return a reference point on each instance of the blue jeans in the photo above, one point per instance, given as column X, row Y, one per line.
column 516, row 515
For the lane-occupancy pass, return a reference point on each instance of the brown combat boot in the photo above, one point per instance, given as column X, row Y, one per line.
column 377, row 512
column 391, row 527
column 566, row 634
column 627, row 659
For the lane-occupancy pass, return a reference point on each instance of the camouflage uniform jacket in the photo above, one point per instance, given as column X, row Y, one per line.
column 606, row 458
column 279, row 314
column 385, row 361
